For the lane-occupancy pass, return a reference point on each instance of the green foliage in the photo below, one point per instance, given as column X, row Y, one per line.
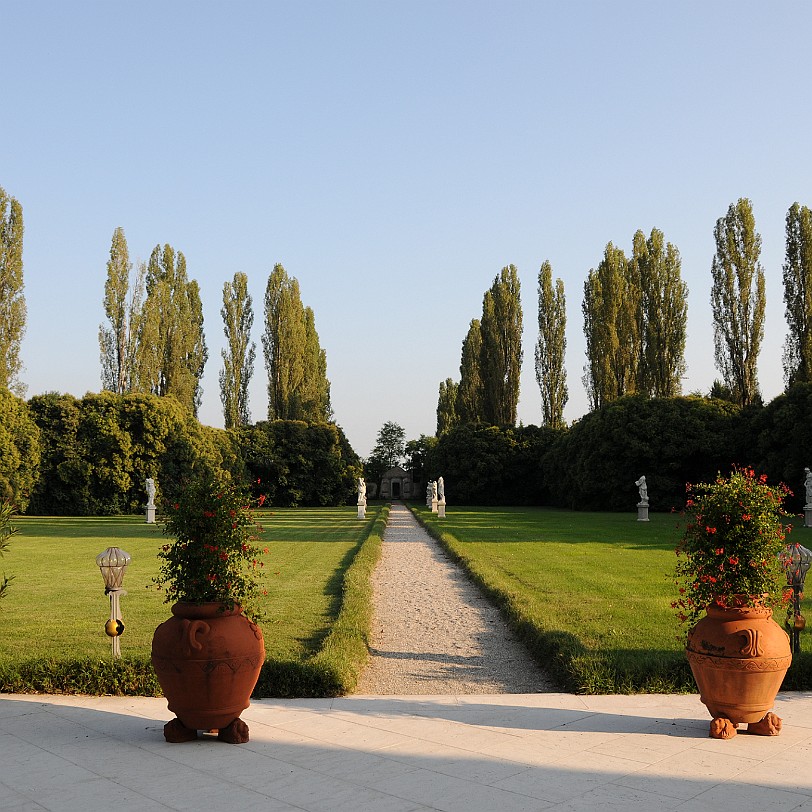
column 238, row 356
column 663, row 313
column 470, row 392
column 798, row 295
column 6, row 532
column 551, row 347
column 389, row 445
column 729, row 551
column 501, row 351
column 123, row 306
column 447, row 406
column 128, row 676
column 593, row 466
column 612, row 320
column 738, row 301
column 97, row 452
column 20, row 448
column 171, row 347
column 491, row 465
column 214, row 557
column 780, row 435
column 12, row 299
column 298, row 388
column 299, row 464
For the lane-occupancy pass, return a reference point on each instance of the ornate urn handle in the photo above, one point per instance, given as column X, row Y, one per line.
column 191, row 630
column 752, row 643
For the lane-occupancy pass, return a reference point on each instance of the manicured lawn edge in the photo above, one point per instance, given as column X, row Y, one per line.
column 563, row 656
column 332, row 671
column 578, row 670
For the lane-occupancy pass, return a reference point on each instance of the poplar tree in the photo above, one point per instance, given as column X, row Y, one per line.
column 663, row 315
column 447, row 406
column 172, row 348
column 12, row 299
column 315, row 398
column 798, row 295
column 612, row 319
column 298, row 388
column 551, row 347
column 501, row 351
column 738, row 301
column 469, row 390
column 238, row 356
column 118, row 343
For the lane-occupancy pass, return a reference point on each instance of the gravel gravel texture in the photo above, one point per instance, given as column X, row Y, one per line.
column 433, row 632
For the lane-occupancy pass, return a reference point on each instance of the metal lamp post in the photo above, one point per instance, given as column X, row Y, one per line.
column 796, row 560
column 113, row 564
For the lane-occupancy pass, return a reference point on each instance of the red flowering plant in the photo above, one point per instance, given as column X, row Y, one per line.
column 214, row 557
column 729, row 551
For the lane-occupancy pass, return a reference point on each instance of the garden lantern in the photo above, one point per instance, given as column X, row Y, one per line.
column 796, row 560
column 113, row 564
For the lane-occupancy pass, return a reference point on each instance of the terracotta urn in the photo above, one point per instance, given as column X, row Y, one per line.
column 207, row 660
column 739, row 657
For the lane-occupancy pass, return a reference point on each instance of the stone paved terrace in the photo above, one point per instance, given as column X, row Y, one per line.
column 485, row 753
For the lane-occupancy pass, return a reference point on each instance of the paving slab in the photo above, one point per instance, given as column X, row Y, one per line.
column 484, row 753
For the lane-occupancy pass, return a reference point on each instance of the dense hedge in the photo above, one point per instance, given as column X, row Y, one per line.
column 62, row 455
column 594, row 463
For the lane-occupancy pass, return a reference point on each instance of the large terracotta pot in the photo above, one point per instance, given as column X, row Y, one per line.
column 739, row 657
column 207, row 660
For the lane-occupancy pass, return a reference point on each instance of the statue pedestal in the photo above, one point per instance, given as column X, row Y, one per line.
column 642, row 512
column 150, row 514
column 807, row 515
column 362, row 511
column 433, row 505
column 441, row 510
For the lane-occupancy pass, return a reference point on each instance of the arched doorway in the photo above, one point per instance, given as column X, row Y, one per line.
column 395, row 489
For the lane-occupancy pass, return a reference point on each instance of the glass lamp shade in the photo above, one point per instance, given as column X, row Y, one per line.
column 796, row 560
column 112, row 563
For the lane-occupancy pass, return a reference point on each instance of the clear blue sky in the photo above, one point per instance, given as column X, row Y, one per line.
column 394, row 156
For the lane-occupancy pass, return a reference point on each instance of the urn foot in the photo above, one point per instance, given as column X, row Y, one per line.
column 176, row 732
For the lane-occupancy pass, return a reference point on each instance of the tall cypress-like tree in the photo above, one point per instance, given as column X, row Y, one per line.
column 551, row 347
column 469, row 390
column 663, row 315
column 447, row 406
column 612, row 318
column 298, row 388
column 172, row 348
column 12, row 299
column 118, row 343
column 238, row 356
column 501, row 351
column 798, row 295
column 738, row 301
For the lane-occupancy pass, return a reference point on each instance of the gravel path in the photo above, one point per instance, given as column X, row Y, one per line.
column 432, row 631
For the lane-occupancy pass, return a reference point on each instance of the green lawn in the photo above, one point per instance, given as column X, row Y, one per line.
column 56, row 607
column 589, row 592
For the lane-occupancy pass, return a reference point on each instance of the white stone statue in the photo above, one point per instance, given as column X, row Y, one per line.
column 441, row 490
column 150, row 484
column 362, row 491
column 643, row 488
column 808, row 486
column 433, row 491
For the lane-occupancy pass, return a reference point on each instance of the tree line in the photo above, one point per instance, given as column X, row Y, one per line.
column 154, row 339
column 62, row 455
column 635, row 323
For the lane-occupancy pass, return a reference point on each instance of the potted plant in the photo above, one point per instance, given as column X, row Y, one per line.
column 729, row 578
column 208, row 656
